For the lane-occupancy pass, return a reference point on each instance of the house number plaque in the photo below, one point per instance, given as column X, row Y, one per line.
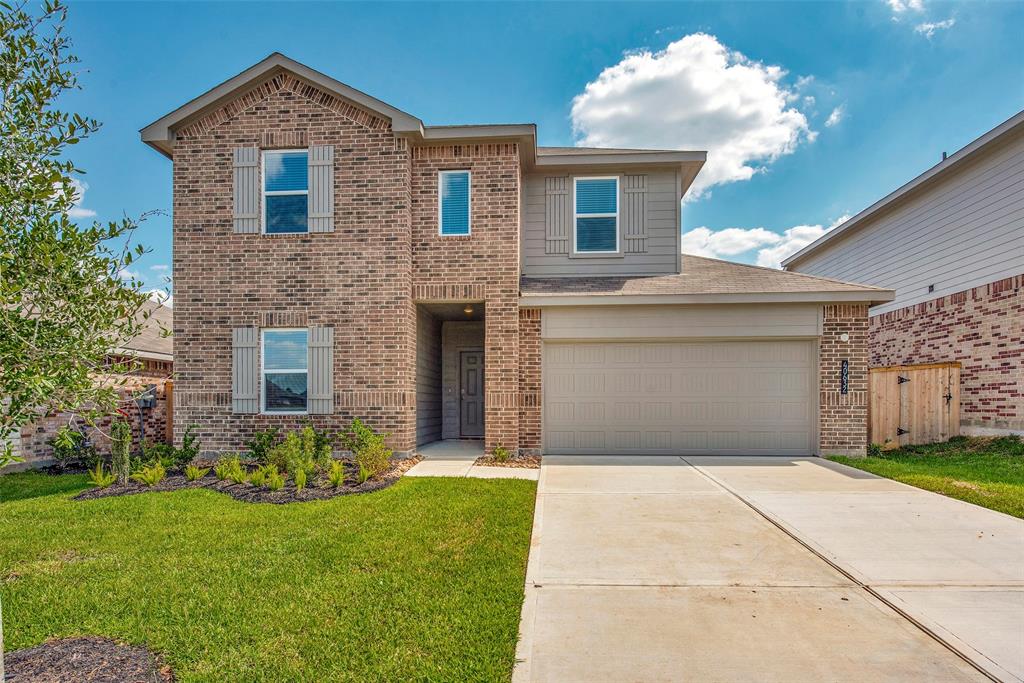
column 844, row 377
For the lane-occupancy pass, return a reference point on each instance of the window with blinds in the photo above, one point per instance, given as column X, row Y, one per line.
column 286, row 192
column 597, row 215
column 453, row 204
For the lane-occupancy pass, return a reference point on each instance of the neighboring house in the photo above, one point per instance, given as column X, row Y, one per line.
column 335, row 258
column 951, row 243
column 152, row 354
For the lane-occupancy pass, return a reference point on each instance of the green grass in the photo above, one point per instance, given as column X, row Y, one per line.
column 420, row 581
column 984, row 471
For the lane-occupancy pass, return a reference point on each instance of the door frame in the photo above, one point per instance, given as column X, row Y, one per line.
column 483, row 390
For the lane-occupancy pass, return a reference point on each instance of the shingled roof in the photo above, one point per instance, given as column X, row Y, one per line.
column 706, row 278
column 151, row 342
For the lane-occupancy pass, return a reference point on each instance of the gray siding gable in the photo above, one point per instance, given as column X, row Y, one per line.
column 649, row 226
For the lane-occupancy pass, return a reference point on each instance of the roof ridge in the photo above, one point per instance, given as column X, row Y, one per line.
column 787, row 272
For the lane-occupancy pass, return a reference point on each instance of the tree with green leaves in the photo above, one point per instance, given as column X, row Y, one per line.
column 66, row 295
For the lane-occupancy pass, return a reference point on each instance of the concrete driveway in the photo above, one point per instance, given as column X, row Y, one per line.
column 768, row 569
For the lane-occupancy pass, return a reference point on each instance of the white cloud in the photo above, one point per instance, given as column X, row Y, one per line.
column 161, row 296
column 772, row 247
column 129, row 274
column 728, row 242
column 901, row 6
column 929, row 28
column 160, row 268
column 835, row 117
column 695, row 94
column 77, row 211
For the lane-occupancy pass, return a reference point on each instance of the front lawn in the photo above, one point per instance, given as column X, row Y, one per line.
column 420, row 581
column 984, row 471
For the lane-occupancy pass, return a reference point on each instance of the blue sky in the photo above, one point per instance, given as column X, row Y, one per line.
column 810, row 111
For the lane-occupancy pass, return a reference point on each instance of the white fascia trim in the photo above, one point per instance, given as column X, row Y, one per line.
column 540, row 301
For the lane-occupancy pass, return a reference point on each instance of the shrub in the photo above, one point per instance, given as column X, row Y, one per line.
column 151, row 475
column 230, row 468
column 258, row 477
column 73, row 448
column 357, row 436
column 100, row 477
column 121, row 450
column 286, row 452
column 275, row 480
column 875, row 450
column 373, row 459
column 316, row 445
column 189, row 446
column 163, row 453
column 193, row 473
column 336, row 475
column 300, row 479
column 501, row 454
column 261, row 443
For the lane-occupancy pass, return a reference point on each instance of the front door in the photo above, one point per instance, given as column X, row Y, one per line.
column 471, row 397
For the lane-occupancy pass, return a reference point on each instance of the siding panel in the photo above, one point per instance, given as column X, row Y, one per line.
column 961, row 232
column 428, row 378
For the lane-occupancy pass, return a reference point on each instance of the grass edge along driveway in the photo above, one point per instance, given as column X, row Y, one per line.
column 423, row 580
column 985, row 471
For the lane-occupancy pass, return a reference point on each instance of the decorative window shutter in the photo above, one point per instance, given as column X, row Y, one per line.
column 247, row 190
column 634, row 213
column 245, row 370
column 557, row 215
column 321, row 188
column 321, row 371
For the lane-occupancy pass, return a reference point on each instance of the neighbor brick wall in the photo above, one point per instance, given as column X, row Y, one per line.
column 983, row 329
column 481, row 266
column 356, row 279
column 36, row 437
column 530, row 395
column 843, row 418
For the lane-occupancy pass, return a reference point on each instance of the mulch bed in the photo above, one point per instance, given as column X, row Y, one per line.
column 319, row 489
column 92, row 659
column 529, row 462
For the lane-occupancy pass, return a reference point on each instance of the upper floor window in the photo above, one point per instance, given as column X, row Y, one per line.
column 453, row 203
column 285, row 192
column 597, row 215
column 285, row 370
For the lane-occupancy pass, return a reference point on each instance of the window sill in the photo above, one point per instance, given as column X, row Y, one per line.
column 597, row 254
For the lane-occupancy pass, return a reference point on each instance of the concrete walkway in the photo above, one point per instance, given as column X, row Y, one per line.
column 656, row 569
column 456, row 458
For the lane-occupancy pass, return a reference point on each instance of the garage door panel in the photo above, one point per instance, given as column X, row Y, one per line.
column 743, row 397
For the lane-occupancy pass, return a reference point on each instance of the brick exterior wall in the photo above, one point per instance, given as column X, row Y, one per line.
column 356, row 279
column 481, row 266
column 843, row 418
column 983, row 329
column 36, row 437
column 530, row 395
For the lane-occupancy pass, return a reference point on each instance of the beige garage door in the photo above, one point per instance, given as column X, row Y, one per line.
column 724, row 398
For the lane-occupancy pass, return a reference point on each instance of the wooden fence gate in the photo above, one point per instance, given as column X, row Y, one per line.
column 913, row 404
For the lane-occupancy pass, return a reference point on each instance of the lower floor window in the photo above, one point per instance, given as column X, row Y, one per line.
column 285, row 370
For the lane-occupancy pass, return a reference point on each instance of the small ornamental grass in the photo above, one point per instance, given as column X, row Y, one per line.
column 150, row 475
column 100, row 477
column 193, row 473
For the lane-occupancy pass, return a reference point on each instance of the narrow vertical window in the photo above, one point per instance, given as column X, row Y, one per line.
column 285, row 371
column 453, row 204
column 285, row 192
column 597, row 215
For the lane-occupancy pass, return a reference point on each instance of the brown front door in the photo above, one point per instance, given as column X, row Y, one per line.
column 471, row 398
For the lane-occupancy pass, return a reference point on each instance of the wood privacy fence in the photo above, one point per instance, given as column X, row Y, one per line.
column 913, row 404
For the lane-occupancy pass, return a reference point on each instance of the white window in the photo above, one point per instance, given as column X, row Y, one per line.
column 285, row 192
column 453, row 202
column 596, row 223
column 285, row 370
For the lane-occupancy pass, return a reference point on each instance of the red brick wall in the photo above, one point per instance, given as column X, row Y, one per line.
column 983, row 329
column 35, row 438
column 530, row 395
column 482, row 266
column 356, row 279
column 843, row 418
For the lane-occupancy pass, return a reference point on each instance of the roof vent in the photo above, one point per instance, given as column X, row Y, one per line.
column 943, row 156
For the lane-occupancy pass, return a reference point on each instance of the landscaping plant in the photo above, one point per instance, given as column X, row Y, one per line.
column 300, row 479
column 230, row 467
column 274, row 479
column 336, row 474
column 193, row 473
column 258, row 477
column 372, row 459
column 151, row 475
column 501, row 454
column 261, row 443
column 121, row 450
column 100, row 477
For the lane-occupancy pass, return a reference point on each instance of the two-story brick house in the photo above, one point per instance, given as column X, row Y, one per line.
column 335, row 258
